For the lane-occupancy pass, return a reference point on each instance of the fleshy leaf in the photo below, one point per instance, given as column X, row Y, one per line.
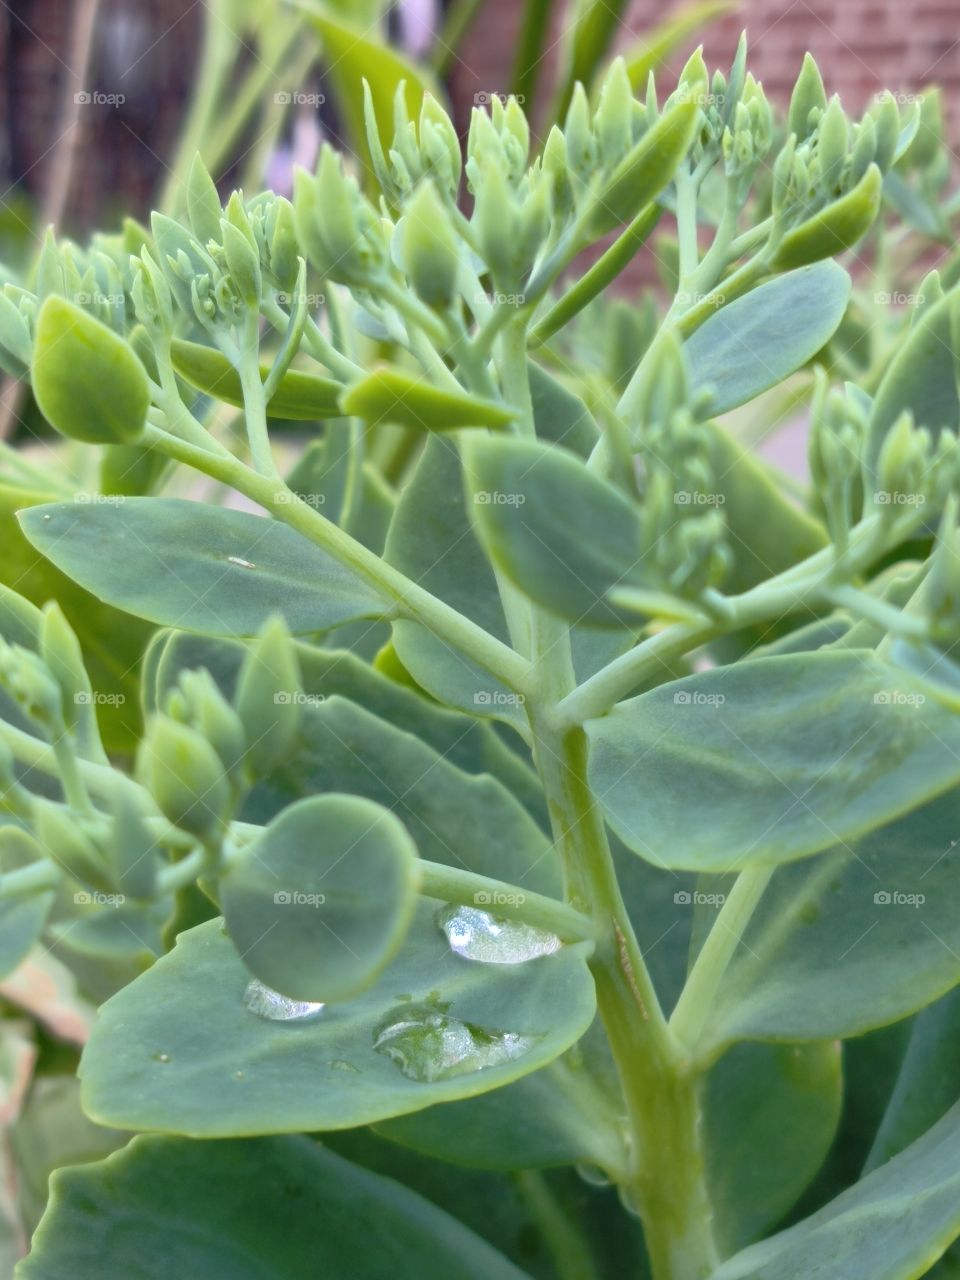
column 786, row 756
column 756, row 341
column 318, row 905
column 179, row 1050
column 198, row 567
column 282, row 1207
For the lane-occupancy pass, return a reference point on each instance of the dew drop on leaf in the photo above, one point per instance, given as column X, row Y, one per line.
column 592, row 1174
column 267, row 1003
column 477, row 935
column 427, row 1044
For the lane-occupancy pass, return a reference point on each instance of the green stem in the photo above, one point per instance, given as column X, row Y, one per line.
column 666, row 1180
column 603, row 272
column 811, row 582
column 412, row 600
column 529, row 60
column 453, row 884
column 255, row 400
column 700, row 990
column 26, row 881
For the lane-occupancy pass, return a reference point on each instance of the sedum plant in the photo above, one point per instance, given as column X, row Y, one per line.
column 532, row 811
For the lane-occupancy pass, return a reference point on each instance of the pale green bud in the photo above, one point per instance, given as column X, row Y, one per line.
column 832, row 145
column 284, row 250
column 808, row 96
column 886, row 118
column 429, row 248
column 438, row 139
column 268, row 698
column 199, row 702
column 185, row 776
column 203, row 202
column 612, row 121
column 60, row 650
column 132, row 848
column 243, row 262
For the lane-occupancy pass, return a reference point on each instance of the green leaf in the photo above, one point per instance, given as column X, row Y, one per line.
column 87, row 380
column 352, row 55
column 453, row 817
column 559, row 415
column 300, row 396
column 201, row 568
column 596, row 24
column 319, row 904
column 854, row 939
column 837, row 227
column 561, row 533
column 787, row 756
column 891, row 1226
column 768, row 532
column 654, row 48
column 921, row 378
column 646, row 169
column 771, row 1114
column 388, row 395
column 432, row 541
column 561, row 1115
column 315, row 1214
column 468, row 744
column 179, row 1050
column 21, row 923
column 756, row 341
column 927, row 1086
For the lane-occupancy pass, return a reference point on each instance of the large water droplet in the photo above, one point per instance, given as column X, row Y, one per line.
column 267, row 1003
column 427, row 1044
column 477, row 935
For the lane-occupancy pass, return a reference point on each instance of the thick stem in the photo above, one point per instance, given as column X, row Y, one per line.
column 509, row 901
column 411, row 599
column 666, row 1182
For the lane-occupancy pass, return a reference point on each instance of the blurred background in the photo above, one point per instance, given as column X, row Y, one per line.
column 132, row 64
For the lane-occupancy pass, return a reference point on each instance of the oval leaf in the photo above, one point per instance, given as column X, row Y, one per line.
column 178, row 1050
column 561, row 533
column 320, row 902
column 299, row 397
column 892, row 1225
column 87, row 381
column 756, row 341
column 245, row 1210
column 786, row 756
column 197, row 567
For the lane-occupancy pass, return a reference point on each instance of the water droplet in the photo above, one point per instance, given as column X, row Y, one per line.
column 477, row 935
column 427, row 1044
column 161, row 1057
column 592, row 1174
column 629, row 1200
column 267, row 1003
column 244, row 564
column 341, row 1064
